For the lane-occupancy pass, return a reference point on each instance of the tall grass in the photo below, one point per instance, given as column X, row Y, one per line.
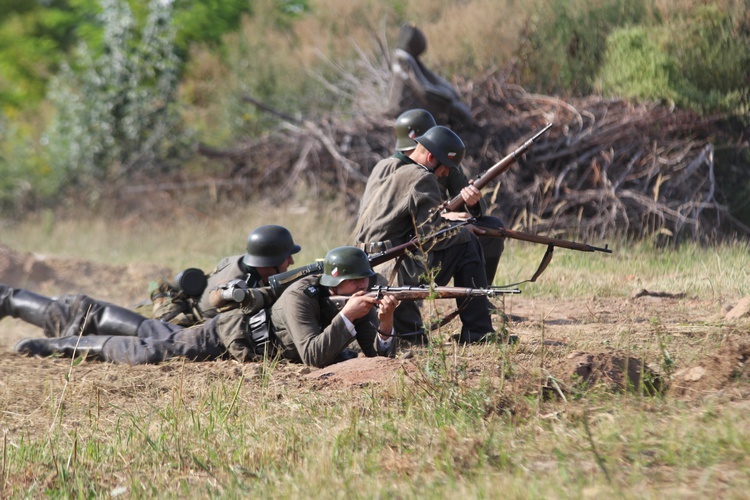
column 179, row 436
column 468, row 422
column 196, row 239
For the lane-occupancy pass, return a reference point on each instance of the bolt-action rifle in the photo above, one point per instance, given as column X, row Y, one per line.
column 279, row 282
column 424, row 292
column 544, row 240
column 498, row 168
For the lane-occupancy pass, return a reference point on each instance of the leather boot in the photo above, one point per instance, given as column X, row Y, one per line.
column 24, row 305
column 65, row 346
column 100, row 318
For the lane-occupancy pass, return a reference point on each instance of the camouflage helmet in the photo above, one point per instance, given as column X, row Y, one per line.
column 269, row 246
column 411, row 124
column 412, row 40
column 345, row 263
column 444, row 144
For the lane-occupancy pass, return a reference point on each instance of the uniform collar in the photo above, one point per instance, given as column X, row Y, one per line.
column 408, row 161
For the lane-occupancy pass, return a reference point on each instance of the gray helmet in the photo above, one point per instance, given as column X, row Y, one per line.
column 412, row 40
column 269, row 246
column 411, row 124
column 345, row 263
column 444, row 144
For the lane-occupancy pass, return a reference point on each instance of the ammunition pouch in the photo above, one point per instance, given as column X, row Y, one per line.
column 258, row 332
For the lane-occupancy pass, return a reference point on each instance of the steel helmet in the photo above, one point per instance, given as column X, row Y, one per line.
column 345, row 263
column 444, row 144
column 411, row 124
column 269, row 246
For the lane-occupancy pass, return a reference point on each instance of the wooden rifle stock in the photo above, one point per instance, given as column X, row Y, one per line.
column 544, row 240
column 498, row 168
column 424, row 292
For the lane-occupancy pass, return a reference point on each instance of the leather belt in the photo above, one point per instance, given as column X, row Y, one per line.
column 375, row 246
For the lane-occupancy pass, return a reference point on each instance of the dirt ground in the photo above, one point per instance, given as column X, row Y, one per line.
column 648, row 342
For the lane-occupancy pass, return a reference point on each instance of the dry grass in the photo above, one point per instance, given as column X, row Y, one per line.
column 447, row 422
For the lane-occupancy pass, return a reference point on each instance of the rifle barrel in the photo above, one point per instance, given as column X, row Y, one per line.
column 544, row 240
column 498, row 168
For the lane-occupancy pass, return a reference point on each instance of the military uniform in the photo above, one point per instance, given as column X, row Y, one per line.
column 178, row 309
column 398, row 203
column 305, row 327
column 452, row 184
column 308, row 328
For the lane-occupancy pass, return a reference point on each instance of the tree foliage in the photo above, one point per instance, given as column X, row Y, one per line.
column 116, row 109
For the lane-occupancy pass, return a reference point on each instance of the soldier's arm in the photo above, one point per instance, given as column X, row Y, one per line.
column 317, row 346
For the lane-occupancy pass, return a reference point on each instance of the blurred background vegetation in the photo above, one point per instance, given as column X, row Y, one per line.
column 95, row 92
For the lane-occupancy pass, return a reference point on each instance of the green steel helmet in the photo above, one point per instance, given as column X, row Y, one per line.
column 345, row 263
column 411, row 124
column 444, row 144
column 269, row 246
column 412, row 40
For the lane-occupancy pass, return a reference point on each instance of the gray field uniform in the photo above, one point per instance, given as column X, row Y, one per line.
column 178, row 310
column 230, row 268
column 397, row 203
column 310, row 330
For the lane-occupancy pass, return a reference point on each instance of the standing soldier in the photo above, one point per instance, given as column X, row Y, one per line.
column 400, row 202
column 305, row 325
column 414, row 123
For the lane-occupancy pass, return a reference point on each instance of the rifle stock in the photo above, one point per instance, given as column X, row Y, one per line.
column 498, row 168
column 544, row 240
column 423, row 292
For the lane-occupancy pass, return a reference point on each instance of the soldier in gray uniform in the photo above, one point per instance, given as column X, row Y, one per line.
column 414, row 123
column 269, row 251
column 400, row 201
column 304, row 325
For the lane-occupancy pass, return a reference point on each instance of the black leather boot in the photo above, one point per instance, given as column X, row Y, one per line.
column 65, row 346
column 23, row 304
column 100, row 318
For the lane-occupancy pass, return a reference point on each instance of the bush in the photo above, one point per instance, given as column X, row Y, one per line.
column 116, row 110
column 702, row 63
column 567, row 42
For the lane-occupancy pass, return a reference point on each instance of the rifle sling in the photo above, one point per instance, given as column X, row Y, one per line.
column 394, row 271
column 542, row 266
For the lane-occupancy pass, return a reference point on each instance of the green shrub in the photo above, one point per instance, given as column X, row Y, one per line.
column 702, row 63
column 636, row 67
column 567, row 42
column 116, row 110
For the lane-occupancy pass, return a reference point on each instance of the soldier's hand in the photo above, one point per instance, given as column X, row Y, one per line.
column 358, row 306
column 478, row 231
column 387, row 307
column 471, row 195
